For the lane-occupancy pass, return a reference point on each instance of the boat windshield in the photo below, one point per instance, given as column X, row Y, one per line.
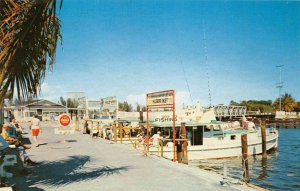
column 214, row 127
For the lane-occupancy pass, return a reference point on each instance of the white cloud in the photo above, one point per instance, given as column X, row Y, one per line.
column 51, row 93
column 182, row 97
column 136, row 99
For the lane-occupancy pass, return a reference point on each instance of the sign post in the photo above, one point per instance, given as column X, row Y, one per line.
column 162, row 99
column 64, row 122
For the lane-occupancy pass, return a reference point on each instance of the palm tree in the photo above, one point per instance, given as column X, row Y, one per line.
column 287, row 103
column 29, row 32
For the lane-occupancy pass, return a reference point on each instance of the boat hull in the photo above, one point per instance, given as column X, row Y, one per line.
column 226, row 148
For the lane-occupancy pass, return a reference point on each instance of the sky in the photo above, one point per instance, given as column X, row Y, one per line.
column 130, row 48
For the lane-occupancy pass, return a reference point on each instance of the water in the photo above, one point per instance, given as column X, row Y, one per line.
column 281, row 171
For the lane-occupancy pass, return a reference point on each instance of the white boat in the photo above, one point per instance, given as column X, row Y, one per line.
column 211, row 139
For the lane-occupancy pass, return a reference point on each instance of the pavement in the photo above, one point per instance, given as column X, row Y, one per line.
column 79, row 162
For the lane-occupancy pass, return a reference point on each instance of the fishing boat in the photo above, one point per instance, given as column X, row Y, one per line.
column 212, row 139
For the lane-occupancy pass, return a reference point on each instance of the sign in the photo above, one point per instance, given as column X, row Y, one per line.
column 82, row 102
column 93, row 104
column 164, row 119
column 160, row 98
column 64, row 131
column 109, row 102
column 64, row 128
column 109, row 107
column 64, row 119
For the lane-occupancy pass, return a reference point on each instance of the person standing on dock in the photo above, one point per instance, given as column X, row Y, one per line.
column 146, row 144
column 35, row 128
column 245, row 122
column 155, row 138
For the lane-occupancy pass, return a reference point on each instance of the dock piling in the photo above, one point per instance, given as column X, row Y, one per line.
column 263, row 137
column 184, row 145
column 160, row 147
column 244, row 141
column 121, row 132
column 98, row 129
column 115, row 133
column 76, row 124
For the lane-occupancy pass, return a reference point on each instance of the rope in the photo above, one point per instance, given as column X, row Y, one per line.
column 187, row 84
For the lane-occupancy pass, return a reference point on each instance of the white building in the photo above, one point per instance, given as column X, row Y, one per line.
column 45, row 109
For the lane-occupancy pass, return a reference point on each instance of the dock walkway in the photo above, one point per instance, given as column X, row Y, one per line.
column 83, row 163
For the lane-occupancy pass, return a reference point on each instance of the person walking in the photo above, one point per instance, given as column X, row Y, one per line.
column 35, row 128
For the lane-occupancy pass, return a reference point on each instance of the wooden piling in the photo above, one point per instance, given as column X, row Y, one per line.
column 115, row 133
column 263, row 139
column 185, row 144
column 85, row 127
column 245, row 158
column 121, row 132
column 92, row 128
column 76, row 124
column 98, row 129
column 141, row 117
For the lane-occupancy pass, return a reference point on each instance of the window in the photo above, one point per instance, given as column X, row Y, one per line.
column 206, row 129
column 232, row 137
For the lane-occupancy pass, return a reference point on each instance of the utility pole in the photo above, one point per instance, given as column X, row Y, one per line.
column 279, row 85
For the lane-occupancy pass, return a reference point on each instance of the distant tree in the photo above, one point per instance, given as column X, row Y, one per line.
column 62, row 101
column 297, row 109
column 258, row 105
column 233, row 103
column 125, row 106
column 140, row 107
column 287, row 103
column 72, row 103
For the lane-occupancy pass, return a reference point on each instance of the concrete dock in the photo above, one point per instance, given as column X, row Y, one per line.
column 79, row 162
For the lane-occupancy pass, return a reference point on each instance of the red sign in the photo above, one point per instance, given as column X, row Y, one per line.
column 64, row 120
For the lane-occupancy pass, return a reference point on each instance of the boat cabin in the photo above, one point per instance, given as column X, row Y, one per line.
column 196, row 132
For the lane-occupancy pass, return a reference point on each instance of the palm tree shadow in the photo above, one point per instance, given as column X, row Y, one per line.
column 58, row 173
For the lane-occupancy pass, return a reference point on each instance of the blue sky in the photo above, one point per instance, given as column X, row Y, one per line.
column 129, row 48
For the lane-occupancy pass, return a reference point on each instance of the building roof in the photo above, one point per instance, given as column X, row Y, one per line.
column 42, row 103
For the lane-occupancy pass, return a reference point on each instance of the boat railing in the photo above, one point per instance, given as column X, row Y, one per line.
column 272, row 127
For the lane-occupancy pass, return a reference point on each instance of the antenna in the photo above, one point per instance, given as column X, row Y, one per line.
column 187, row 84
column 279, row 85
column 206, row 65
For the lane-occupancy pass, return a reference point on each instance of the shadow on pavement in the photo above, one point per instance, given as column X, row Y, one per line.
column 42, row 144
column 64, row 172
column 25, row 141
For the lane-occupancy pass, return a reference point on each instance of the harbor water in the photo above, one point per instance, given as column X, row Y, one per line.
column 281, row 170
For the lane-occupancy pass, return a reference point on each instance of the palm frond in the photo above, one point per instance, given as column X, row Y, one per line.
column 29, row 32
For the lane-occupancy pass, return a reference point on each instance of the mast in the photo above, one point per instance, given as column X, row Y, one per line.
column 279, row 85
column 206, row 65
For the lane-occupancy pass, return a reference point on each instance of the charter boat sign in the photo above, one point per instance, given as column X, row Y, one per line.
column 162, row 99
column 159, row 99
